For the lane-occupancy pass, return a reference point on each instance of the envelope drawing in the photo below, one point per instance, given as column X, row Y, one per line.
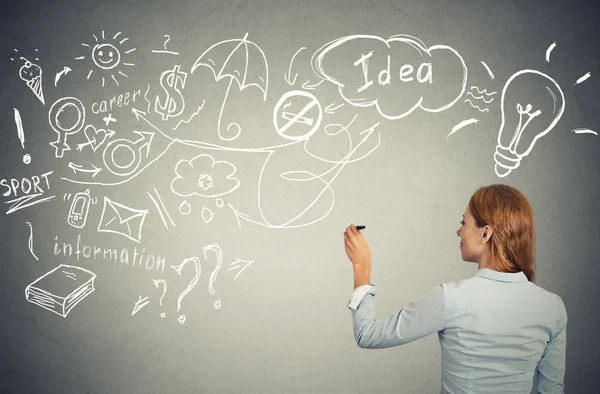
column 120, row 219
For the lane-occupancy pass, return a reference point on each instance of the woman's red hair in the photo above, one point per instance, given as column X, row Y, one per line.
column 509, row 214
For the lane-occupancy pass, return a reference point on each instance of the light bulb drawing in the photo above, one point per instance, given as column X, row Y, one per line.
column 531, row 105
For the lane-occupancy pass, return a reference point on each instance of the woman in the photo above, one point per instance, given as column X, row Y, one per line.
column 496, row 327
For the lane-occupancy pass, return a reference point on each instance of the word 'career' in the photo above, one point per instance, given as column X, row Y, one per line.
column 122, row 100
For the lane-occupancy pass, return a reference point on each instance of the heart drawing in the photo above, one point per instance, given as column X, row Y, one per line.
column 96, row 137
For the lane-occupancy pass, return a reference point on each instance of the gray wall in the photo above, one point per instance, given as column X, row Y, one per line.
column 262, row 214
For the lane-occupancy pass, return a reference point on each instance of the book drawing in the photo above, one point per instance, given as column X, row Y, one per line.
column 61, row 289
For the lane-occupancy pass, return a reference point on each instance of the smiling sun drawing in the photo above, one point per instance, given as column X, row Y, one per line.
column 108, row 56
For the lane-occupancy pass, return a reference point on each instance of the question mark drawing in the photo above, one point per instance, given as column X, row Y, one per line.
column 190, row 286
column 156, row 283
column 217, row 249
column 168, row 39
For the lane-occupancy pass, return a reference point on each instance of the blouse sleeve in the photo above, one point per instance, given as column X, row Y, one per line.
column 551, row 367
column 417, row 320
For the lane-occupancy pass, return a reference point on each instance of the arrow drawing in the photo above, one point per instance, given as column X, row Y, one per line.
column 145, row 140
column 59, row 74
column 287, row 76
column 238, row 263
column 136, row 149
column 330, row 109
column 306, row 85
column 78, row 168
column 139, row 304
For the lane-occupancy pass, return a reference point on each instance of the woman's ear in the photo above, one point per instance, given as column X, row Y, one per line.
column 486, row 234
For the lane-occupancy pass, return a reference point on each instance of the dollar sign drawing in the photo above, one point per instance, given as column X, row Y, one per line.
column 171, row 81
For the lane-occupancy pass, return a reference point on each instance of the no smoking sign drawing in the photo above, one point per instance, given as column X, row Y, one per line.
column 297, row 115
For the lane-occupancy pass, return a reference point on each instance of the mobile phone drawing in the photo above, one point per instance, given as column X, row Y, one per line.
column 79, row 209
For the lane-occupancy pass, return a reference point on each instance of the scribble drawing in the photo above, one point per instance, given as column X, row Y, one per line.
column 123, row 157
column 60, row 289
column 191, row 285
column 80, row 207
column 172, row 82
column 119, row 219
column 487, row 68
column 549, row 50
column 31, row 73
column 163, row 206
column 135, row 151
column 482, row 95
column 164, row 283
column 207, row 214
column 462, row 124
column 147, row 100
column 232, row 59
column 520, row 129
column 21, row 134
column 107, row 56
column 139, row 304
column 299, row 220
column 204, row 176
column 480, row 98
column 54, row 114
column 484, row 91
column 160, row 208
column 213, row 276
column 19, row 123
column 362, row 91
column 584, row 131
column 192, row 116
column 476, row 106
column 185, row 208
column 108, row 119
column 239, row 263
column 26, row 201
column 583, row 78
column 30, row 242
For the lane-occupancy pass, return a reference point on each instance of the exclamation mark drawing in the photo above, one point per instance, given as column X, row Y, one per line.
column 21, row 134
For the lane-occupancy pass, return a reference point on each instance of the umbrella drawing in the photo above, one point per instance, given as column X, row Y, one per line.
column 232, row 59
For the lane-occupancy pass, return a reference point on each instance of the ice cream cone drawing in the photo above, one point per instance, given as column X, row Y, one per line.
column 31, row 73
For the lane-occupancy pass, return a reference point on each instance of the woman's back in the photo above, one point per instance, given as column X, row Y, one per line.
column 498, row 328
column 495, row 328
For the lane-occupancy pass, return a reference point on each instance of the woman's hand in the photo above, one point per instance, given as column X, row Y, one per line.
column 359, row 254
column 356, row 247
